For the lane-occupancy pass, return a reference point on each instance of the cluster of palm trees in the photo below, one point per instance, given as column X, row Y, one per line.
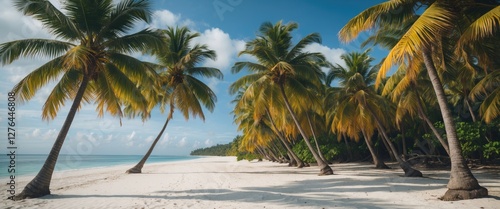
column 286, row 96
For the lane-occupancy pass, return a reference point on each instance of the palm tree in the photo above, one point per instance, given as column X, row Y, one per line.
column 182, row 90
column 360, row 108
column 439, row 20
column 90, row 54
column 284, row 69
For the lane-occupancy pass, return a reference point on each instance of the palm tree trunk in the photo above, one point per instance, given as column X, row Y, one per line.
column 40, row 185
column 388, row 148
column 409, row 171
column 261, row 152
column 138, row 167
column 325, row 169
column 471, row 112
column 276, row 151
column 271, row 154
column 315, row 139
column 292, row 161
column 405, row 152
column 429, row 123
column 300, row 163
column 462, row 184
column 349, row 152
column 376, row 160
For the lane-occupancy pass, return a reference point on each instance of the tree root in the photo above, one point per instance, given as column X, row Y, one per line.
column 411, row 172
column 327, row 170
column 134, row 170
column 453, row 195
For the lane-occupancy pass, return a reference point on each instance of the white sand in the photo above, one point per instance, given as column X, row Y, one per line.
column 221, row 182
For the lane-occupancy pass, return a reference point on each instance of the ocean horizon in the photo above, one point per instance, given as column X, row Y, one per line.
column 30, row 164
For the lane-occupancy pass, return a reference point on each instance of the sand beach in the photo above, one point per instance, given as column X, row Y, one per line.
column 223, row 182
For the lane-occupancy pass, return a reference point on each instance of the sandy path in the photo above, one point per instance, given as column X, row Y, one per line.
column 221, row 182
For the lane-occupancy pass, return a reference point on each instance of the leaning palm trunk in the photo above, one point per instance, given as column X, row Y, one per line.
column 471, row 111
column 298, row 161
column 315, row 139
column 376, row 160
column 389, row 150
column 325, row 169
column 138, row 168
column 275, row 150
column 409, row 171
column 40, row 185
column 349, row 152
column 462, row 184
column 429, row 123
column 262, row 153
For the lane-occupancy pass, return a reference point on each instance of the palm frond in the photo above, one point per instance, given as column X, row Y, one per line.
column 483, row 27
column 244, row 81
column 53, row 19
column 124, row 15
column 202, row 92
column 89, row 16
column 29, row 85
column 64, row 90
column 490, row 108
column 380, row 14
column 11, row 51
column 142, row 41
column 253, row 67
column 206, row 72
column 434, row 20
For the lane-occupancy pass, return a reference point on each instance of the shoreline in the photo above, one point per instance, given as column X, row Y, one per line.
column 222, row 182
column 97, row 169
column 62, row 164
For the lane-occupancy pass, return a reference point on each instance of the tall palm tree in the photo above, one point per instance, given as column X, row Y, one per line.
column 183, row 91
column 90, row 52
column 284, row 68
column 422, row 40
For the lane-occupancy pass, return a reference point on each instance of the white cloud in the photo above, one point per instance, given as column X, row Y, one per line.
column 165, row 139
column 208, row 142
column 36, row 132
column 149, row 139
column 226, row 48
column 131, row 136
column 50, row 134
column 182, row 142
column 331, row 54
column 17, row 26
column 164, row 18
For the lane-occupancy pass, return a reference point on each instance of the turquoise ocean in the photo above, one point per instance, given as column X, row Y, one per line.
column 30, row 164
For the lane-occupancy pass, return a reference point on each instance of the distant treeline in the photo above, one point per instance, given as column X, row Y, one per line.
column 216, row 150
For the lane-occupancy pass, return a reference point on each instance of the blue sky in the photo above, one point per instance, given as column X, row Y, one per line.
column 224, row 26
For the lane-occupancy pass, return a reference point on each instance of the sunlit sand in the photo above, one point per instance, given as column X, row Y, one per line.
column 222, row 182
